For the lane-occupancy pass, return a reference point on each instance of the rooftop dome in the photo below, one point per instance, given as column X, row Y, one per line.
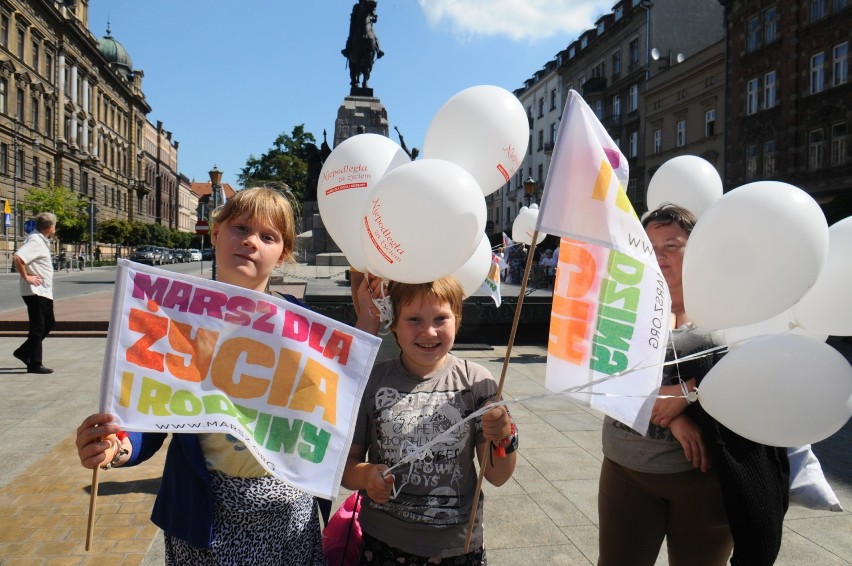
column 115, row 53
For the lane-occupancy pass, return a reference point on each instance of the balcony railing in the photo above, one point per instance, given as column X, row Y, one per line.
column 593, row 85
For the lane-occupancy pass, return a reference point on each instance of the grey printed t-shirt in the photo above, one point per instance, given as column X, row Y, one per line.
column 659, row 452
column 401, row 411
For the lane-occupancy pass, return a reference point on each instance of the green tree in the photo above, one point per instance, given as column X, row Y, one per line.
column 284, row 166
column 68, row 206
column 114, row 231
column 138, row 234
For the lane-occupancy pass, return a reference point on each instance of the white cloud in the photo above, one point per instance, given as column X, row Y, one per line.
column 519, row 20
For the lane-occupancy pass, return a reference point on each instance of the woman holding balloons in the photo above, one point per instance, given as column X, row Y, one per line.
column 662, row 486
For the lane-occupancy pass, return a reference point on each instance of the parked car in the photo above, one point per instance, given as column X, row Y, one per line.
column 182, row 256
column 207, row 254
column 194, row 255
column 152, row 255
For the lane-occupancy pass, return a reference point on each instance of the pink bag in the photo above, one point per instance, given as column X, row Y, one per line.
column 341, row 537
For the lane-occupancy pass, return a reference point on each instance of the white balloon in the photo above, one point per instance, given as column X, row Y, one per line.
column 484, row 129
column 753, row 254
column 779, row 324
column 523, row 227
column 780, row 390
column 827, row 306
column 475, row 270
column 348, row 175
column 423, row 220
column 688, row 181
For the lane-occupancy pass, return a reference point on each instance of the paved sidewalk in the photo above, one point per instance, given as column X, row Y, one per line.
column 547, row 513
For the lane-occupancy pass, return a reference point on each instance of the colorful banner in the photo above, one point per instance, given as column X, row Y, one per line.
column 189, row 355
column 491, row 285
column 610, row 302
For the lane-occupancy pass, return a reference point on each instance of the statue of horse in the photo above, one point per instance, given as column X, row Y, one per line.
column 362, row 45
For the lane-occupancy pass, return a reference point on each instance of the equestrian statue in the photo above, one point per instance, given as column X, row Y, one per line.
column 362, row 45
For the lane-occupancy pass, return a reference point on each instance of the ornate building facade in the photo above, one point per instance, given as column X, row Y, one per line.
column 73, row 112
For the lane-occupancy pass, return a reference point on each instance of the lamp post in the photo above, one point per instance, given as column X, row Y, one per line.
column 530, row 185
column 215, row 195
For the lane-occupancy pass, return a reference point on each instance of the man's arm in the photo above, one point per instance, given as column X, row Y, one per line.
column 22, row 270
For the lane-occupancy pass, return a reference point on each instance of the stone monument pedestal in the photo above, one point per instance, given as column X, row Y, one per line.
column 357, row 115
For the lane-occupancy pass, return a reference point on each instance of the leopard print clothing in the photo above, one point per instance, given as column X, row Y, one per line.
column 376, row 553
column 257, row 521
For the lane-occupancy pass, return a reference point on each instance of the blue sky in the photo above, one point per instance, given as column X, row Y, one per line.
column 228, row 77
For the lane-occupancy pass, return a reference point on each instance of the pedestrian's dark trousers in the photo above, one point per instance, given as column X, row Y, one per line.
column 40, row 311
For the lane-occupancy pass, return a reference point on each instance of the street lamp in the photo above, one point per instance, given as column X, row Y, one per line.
column 215, row 195
column 530, row 185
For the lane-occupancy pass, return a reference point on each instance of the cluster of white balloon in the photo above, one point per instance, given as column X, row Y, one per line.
column 417, row 221
column 762, row 265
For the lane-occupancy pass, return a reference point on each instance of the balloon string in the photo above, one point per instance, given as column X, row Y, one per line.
column 425, row 449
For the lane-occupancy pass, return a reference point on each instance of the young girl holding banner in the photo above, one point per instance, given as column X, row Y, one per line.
column 217, row 504
column 421, row 510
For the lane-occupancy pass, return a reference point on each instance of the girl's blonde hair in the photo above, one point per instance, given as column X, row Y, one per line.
column 267, row 205
column 446, row 289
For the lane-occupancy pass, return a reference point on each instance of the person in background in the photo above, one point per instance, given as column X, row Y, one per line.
column 35, row 266
column 662, row 485
column 407, row 403
column 216, row 503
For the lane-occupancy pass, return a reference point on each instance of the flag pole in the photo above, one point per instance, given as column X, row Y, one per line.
column 483, row 460
column 93, row 498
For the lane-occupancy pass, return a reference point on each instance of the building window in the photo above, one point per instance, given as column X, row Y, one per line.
column 839, row 144
column 553, row 131
column 4, row 30
column 71, row 179
column 752, row 34
column 710, row 123
column 751, row 96
column 768, row 159
column 619, row 12
column 817, row 10
column 4, row 158
column 840, row 4
column 540, row 140
column 36, row 179
column 553, row 99
column 841, row 64
column 584, row 42
column 599, row 109
column 658, row 141
column 633, row 100
column 541, row 107
column 633, row 144
column 816, row 150
column 817, row 72
column 48, row 120
column 769, row 90
column 770, row 25
column 4, row 99
column 22, row 42
column 529, row 146
column 34, row 109
column 616, row 107
column 681, row 133
column 616, row 64
column 19, row 164
column 35, row 55
column 751, row 162
column 634, row 52
column 48, row 66
column 19, row 103
column 48, row 170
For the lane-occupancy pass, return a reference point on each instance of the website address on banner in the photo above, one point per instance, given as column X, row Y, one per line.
column 276, row 434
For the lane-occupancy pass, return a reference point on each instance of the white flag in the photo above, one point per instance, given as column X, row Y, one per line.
column 610, row 302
